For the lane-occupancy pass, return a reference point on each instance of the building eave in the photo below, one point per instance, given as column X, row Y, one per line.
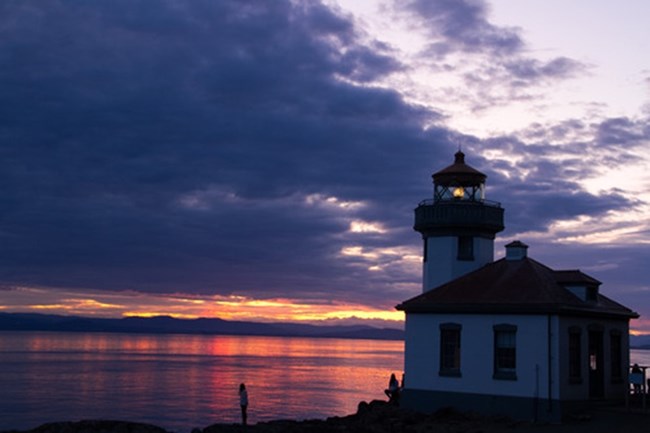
column 525, row 309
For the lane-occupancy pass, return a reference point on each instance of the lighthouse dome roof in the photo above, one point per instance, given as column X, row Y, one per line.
column 459, row 173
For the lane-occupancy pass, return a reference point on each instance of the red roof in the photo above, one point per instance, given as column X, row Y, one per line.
column 574, row 277
column 522, row 286
column 459, row 172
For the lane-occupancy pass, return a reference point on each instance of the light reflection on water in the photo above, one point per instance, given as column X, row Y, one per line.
column 183, row 381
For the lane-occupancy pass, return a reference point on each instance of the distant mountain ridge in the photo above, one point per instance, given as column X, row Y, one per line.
column 640, row 341
column 170, row 325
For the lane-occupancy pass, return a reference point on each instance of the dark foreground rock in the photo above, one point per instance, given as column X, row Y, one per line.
column 380, row 417
column 377, row 417
column 374, row 417
column 97, row 426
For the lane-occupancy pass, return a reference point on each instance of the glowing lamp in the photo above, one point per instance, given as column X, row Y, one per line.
column 459, row 192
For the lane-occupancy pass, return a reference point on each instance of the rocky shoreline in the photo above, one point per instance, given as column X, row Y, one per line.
column 381, row 417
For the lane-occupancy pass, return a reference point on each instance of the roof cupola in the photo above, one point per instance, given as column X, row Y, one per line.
column 516, row 250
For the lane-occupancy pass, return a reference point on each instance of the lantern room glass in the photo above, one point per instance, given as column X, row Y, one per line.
column 456, row 192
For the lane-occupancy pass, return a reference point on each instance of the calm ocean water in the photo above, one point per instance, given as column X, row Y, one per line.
column 184, row 381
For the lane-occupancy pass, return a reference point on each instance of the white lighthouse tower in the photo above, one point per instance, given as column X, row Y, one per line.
column 458, row 226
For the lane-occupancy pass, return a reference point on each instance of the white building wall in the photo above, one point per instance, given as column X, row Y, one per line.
column 533, row 367
column 442, row 264
column 438, row 267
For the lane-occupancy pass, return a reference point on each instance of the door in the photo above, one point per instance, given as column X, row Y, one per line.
column 596, row 368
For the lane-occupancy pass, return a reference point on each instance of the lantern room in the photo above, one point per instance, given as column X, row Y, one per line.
column 459, row 182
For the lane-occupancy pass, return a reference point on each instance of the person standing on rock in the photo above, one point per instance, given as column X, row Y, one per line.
column 243, row 402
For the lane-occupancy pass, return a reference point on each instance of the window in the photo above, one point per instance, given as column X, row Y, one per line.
column 616, row 352
column 591, row 294
column 505, row 352
column 450, row 349
column 575, row 355
column 425, row 253
column 465, row 248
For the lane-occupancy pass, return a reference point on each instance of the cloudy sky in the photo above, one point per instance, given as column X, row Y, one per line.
column 262, row 160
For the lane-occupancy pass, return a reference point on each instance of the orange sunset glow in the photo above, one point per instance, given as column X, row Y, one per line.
column 123, row 304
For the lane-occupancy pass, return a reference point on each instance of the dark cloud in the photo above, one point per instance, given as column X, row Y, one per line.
column 527, row 71
column 494, row 61
column 169, row 146
column 221, row 147
column 539, row 179
column 621, row 134
column 462, row 26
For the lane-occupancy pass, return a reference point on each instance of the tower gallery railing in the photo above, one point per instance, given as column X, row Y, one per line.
column 430, row 202
column 439, row 214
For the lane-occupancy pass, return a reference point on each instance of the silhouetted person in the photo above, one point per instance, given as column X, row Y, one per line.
column 243, row 402
column 393, row 390
column 638, row 380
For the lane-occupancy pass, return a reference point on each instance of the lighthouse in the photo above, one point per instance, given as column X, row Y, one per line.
column 510, row 337
column 458, row 225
